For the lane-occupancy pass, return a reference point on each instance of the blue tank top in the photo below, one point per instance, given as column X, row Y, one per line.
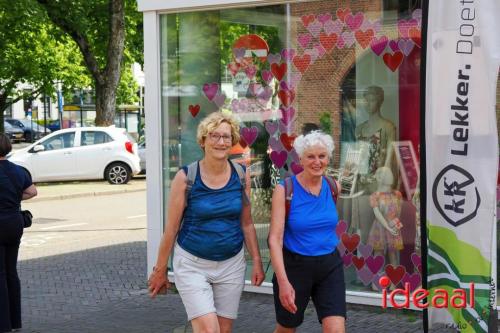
column 310, row 229
column 211, row 227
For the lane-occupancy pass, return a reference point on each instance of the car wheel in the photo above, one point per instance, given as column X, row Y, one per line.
column 28, row 136
column 118, row 173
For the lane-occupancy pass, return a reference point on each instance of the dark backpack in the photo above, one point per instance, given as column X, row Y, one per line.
column 192, row 170
column 289, row 192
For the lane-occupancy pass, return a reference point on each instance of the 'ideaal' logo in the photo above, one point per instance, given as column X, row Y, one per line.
column 456, row 189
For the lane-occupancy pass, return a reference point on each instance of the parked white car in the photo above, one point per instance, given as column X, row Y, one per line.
column 81, row 153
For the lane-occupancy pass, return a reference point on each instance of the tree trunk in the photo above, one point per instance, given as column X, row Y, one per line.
column 3, row 106
column 105, row 104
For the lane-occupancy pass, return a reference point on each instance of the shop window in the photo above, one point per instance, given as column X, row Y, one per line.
column 283, row 70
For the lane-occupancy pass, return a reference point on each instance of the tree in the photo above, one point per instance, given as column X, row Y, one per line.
column 31, row 59
column 99, row 28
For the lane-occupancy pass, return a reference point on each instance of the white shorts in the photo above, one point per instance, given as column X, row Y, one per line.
column 207, row 286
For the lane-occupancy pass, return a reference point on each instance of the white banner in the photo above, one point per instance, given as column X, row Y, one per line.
column 462, row 160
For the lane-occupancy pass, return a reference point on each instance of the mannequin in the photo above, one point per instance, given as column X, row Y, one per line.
column 385, row 234
column 375, row 137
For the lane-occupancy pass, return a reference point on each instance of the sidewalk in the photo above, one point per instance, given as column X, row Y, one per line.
column 67, row 190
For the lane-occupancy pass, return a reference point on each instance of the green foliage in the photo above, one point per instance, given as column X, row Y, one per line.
column 127, row 89
column 325, row 122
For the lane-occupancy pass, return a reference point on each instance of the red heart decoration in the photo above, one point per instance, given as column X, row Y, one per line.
column 243, row 143
column 350, row 242
column 359, row 262
column 287, row 140
column 364, row 37
column 233, row 67
column 302, row 63
column 416, row 36
column 395, row 273
column 307, row 19
column 342, row 13
column 328, row 41
column 393, row 60
column 194, row 109
column 278, row 70
column 286, row 97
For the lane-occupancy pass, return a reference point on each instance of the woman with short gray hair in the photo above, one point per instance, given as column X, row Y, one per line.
column 302, row 241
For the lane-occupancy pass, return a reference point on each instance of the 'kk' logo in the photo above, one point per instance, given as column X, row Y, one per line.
column 455, row 196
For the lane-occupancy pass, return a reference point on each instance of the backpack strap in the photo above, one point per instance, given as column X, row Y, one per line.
column 288, row 183
column 192, row 170
column 333, row 188
column 243, row 181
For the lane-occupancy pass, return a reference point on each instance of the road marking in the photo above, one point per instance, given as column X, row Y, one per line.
column 63, row 226
column 136, row 216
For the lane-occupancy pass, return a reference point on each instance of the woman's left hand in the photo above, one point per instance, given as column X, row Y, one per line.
column 257, row 273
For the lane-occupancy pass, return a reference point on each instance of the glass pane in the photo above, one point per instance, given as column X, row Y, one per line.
column 284, row 70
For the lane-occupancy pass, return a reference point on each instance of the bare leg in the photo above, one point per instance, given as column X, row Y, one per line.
column 333, row 324
column 206, row 324
column 225, row 324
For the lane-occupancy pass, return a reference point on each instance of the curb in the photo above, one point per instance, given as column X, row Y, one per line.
column 81, row 195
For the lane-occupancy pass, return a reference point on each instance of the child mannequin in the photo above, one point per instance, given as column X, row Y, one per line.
column 385, row 231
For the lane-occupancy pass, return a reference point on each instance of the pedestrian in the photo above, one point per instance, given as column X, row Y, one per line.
column 302, row 241
column 15, row 185
column 208, row 220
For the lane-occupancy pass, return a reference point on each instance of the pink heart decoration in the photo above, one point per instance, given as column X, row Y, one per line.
column 321, row 50
column 393, row 44
column 250, row 71
column 273, row 58
column 341, row 228
column 313, row 53
column 267, row 76
column 240, row 105
column 315, row 28
column 284, row 128
column 287, row 114
column 255, row 88
column 284, row 85
column 416, row 260
column 271, row 127
column 378, row 45
column 367, row 24
column 219, row 100
column 365, row 275
column 340, row 42
column 376, row 279
column 265, row 94
column 413, row 279
column 347, row 259
column 291, row 81
column 239, row 52
column 275, row 144
column 365, row 249
column 279, row 158
column 288, row 54
column 405, row 25
column 249, row 134
column 324, row 17
column 341, row 248
column 304, row 39
column 374, row 264
column 348, row 37
column 406, row 46
column 294, row 155
column 296, row 168
column 210, row 90
column 354, row 22
column 333, row 27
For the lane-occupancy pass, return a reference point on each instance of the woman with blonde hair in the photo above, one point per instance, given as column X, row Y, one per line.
column 303, row 242
column 209, row 219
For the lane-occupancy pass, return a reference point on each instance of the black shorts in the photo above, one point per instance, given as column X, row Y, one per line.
column 318, row 277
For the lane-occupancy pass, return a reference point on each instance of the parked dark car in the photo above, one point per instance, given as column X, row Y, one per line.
column 15, row 133
column 32, row 131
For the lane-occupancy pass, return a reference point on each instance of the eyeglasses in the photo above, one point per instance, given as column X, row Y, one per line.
column 215, row 137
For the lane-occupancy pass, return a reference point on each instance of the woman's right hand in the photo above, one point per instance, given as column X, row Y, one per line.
column 287, row 296
column 158, row 283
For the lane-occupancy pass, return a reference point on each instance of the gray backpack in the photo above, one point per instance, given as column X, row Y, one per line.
column 192, row 170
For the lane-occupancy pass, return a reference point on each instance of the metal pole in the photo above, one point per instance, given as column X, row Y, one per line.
column 81, row 108
column 46, row 102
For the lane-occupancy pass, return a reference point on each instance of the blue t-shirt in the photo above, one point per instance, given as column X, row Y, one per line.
column 10, row 191
column 211, row 226
column 310, row 229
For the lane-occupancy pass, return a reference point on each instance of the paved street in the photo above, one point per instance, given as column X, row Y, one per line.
column 83, row 268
